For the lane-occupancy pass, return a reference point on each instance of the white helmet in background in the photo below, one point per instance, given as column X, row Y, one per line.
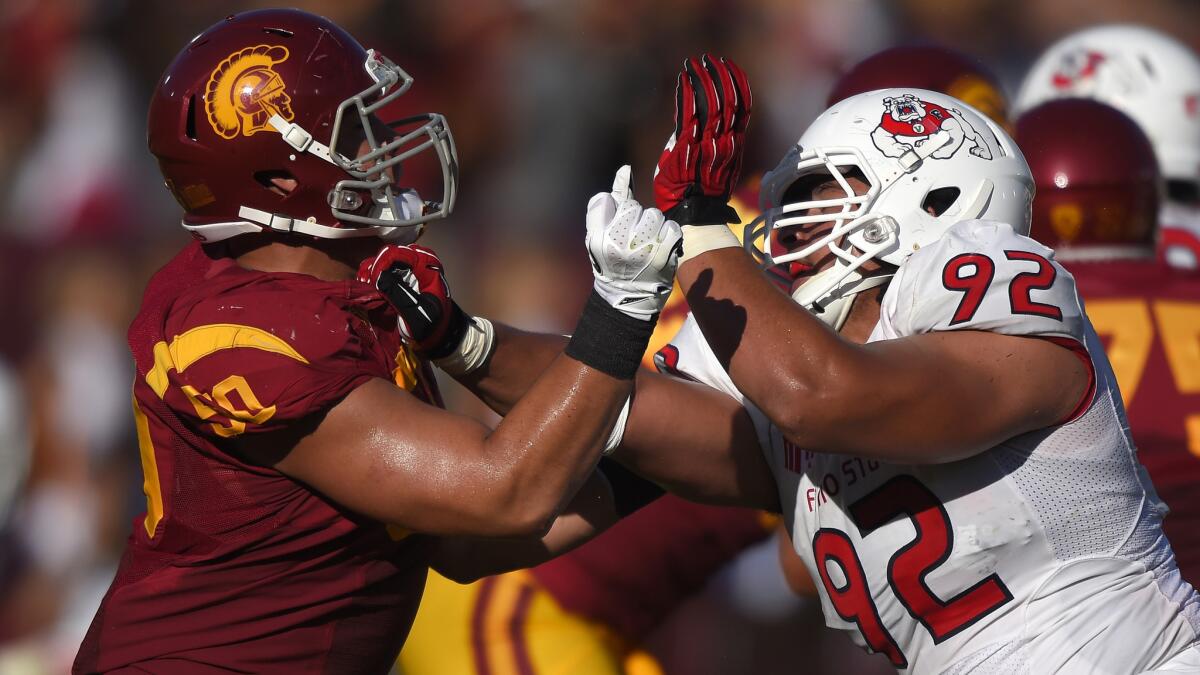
column 1145, row 74
column 916, row 149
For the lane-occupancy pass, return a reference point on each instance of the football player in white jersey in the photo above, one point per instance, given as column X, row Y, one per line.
column 954, row 465
column 962, row 484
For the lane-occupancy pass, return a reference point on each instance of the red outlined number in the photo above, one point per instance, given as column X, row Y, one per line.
column 1024, row 283
column 972, row 285
column 909, row 567
column 852, row 601
column 972, row 273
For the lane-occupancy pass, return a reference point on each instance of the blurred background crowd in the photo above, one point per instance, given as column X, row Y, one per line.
column 545, row 98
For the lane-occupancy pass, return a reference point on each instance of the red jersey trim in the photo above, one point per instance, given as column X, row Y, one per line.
column 1089, row 394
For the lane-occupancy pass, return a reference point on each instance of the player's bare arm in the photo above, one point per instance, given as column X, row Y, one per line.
column 466, row 559
column 696, row 442
column 899, row 400
column 386, row 454
column 724, row 464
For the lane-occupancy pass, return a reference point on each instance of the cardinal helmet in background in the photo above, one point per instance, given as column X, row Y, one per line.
column 932, row 67
column 1098, row 184
column 916, row 149
column 284, row 94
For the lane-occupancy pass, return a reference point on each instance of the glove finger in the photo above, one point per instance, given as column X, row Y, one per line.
column 702, row 100
column 745, row 97
column 371, row 269
column 723, row 90
column 686, row 104
column 600, row 210
column 679, row 98
column 706, row 96
column 622, row 189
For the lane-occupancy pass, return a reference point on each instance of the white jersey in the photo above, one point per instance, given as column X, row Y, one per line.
column 1044, row 554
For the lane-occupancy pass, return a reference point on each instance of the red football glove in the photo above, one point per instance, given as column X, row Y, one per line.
column 699, row 168
column 412, row 280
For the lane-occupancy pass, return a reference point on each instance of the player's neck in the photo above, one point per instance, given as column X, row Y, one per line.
column 333, row 261
column 864, row 314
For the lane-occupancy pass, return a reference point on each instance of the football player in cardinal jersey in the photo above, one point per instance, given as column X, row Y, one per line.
column 940, row 429
column 1154, row 79
column 299, row 468
column 1097, row 206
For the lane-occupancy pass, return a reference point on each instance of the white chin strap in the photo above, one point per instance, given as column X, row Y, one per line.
column 257, row 220
column 832, row 305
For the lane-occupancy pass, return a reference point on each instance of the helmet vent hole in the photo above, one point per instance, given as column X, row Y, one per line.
column 190, row 122
column 1147, row 65
column 940, row 200
column 281, row 32
column 271, row 180
column 1185, row 191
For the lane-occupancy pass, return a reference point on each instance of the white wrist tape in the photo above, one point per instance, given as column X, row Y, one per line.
column 618, row 432
column 474, row 350
column 699, row 239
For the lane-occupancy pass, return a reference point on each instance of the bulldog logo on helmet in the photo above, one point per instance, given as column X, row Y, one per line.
column 1075, row 68
column 909, row 123
column 244, row 91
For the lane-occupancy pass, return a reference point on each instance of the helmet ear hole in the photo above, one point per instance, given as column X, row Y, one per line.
column 1186, row 191
column 190, row 119
column 940, row 200
column 278, row 181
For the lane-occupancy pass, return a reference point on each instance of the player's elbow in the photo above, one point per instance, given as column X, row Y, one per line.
column 801, row 406
column 463, row 572
column 514, row 513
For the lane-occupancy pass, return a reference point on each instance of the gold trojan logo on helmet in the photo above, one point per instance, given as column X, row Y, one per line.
column 244, row 91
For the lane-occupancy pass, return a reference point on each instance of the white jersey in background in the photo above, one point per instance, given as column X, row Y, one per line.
column 1044, row 554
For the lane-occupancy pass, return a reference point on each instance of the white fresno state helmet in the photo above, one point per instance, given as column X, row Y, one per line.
column 917, row 149
column 1145, row 74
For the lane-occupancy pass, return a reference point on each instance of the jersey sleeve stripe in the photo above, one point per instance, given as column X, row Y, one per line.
column 1089, row 394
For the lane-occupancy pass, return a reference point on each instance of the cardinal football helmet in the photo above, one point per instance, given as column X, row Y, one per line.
column 915, row 148
column 1097, row 180
column 283, row 94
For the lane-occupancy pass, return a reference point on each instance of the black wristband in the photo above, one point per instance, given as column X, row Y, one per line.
column 701, row 210
column 456, row 330
column 630, row 491
column 608, row 339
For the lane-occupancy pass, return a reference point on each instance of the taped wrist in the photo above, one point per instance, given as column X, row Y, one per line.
column 698, row 239
column 456, row 328
column 609, row 340
column 473, row 349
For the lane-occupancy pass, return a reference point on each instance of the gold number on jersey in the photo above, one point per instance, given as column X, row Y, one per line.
column 255, row 414
column 1132, row 327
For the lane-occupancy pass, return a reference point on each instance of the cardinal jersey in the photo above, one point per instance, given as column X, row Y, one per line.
column 1043, row 554
column 235, row 566
column 1149, row 319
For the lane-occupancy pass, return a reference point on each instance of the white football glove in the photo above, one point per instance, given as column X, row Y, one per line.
column 634, row 250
